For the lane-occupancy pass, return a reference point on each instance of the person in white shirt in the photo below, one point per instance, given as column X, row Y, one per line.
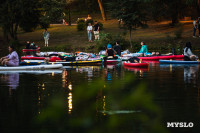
column 89, row 30
column 188, row 55
column 194, row 27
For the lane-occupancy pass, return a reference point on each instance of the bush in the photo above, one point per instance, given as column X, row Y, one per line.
column 136, row 46
column 89, row 21
column 80, row 20
column 100, row 25
column 81, row 25
column 107, row 38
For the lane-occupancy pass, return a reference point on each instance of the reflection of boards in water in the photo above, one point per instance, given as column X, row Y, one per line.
column 135, row 69
column 136, row 64
column 190, row 74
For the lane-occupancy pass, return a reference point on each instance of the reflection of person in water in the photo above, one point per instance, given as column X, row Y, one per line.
column 108, row 71
column 11, row 80
column 190, row 74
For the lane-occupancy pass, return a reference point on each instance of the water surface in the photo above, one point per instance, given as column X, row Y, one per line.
column 26, row 97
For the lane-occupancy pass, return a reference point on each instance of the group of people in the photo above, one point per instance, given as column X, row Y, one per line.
column 95, row 30
column 116, row 50
column 13, row 60
column 30, row 45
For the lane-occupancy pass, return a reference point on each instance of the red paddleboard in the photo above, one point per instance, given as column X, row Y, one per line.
column 136, row 64
column 29, row 50
column 32, row 58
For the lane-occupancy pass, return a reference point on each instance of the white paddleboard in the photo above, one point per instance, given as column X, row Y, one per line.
column 34, row 67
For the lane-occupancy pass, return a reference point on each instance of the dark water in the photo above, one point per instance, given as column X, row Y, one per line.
column 75, row 100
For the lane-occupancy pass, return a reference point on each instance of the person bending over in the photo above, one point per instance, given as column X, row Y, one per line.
column 12, row 59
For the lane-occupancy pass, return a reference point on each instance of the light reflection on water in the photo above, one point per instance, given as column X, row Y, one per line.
column 169, row 83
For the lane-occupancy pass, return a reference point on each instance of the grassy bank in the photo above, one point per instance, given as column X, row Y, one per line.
column 67, row 38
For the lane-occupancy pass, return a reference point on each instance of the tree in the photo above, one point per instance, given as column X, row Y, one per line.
column 131, row 12
column 195, row 4
column 68, row 4
column 170, row 9
column 15, row 13
column 102, row 10
column 52, row 11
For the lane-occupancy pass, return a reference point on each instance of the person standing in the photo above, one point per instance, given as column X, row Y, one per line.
column 194, row 28
column 46, row 37
column 96, row 30
column 89, row 30
column 117, row 48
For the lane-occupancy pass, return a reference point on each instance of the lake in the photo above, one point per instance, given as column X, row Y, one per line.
column 107, row 98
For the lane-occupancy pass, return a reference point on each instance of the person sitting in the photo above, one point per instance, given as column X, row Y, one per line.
column 32, row 46
column 188, row 55
column 143, row 49
column 12, row 59
column 27, row 45
column 133, row 60
column 117, row 48
column 110, row 52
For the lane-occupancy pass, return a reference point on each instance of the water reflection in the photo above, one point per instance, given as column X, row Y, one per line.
column 67, row 84
column 113, row 104
column 11, row 80
column 191, row 74
column 108, row 71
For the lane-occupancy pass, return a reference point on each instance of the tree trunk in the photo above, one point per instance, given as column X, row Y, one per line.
column 102, row 10
column 130, row 30
column 5, row 35
column 198, row 7
column 69, row 16
column 175, row 19
column 15, row 31
column 175, row 13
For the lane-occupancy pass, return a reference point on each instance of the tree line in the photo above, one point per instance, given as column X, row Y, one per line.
column 28, row 14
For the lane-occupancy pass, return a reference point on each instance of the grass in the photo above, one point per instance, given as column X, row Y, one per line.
column 157, row 34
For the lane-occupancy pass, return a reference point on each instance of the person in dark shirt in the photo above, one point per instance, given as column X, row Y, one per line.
column 96, row 30
column 117, row 48
column 134, row 60
column 110, row 52
column 27, row 45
